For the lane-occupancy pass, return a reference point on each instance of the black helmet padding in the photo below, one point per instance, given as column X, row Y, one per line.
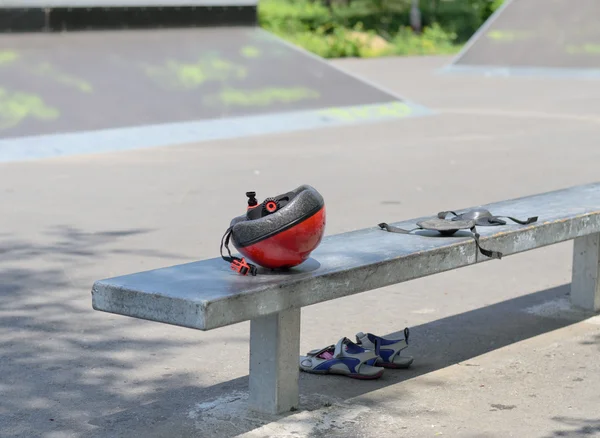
column 306, row 201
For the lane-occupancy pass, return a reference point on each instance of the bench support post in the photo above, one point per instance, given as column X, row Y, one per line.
column 274, row 359
column 585, row 286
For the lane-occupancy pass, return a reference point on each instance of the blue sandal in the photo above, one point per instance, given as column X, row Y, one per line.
column 345, row 358
column 387, row 350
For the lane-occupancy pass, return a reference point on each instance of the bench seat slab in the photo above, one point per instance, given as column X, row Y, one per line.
column 207, row 294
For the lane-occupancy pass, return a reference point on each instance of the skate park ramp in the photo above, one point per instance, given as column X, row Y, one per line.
column 65, row 93
column 536, row 37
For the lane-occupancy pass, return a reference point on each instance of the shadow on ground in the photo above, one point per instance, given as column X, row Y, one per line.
column 576, row 427
column 436, row 345
column 68, row 242
column 63, row 365
column 60, row 363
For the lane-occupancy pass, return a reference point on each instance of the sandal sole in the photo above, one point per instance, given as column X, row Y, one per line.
column 393, row 365
column 352, row 376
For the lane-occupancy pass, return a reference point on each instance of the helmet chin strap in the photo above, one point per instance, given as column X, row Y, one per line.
column 240, row 265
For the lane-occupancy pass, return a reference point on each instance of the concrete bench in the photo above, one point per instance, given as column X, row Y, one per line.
column 206, row 294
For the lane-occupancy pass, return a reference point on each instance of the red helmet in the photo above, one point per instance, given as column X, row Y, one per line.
column 279, row 233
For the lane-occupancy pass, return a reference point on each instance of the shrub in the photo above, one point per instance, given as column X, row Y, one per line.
column 433, row 40
column 368, row 28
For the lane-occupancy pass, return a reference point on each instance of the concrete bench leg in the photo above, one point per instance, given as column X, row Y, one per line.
column 585, row 286
column 274, row 359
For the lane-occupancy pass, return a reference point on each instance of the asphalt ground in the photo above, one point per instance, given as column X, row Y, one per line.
column 498, row 352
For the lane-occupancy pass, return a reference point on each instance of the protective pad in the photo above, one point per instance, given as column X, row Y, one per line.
column 446, row 226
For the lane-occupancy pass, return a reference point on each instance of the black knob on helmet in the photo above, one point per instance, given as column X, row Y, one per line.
column 251, row 199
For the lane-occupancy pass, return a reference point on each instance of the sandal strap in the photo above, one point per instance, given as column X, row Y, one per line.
column 380, row 343
column 364, row 356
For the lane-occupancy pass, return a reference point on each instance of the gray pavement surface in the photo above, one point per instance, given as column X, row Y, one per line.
column 498, row 352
